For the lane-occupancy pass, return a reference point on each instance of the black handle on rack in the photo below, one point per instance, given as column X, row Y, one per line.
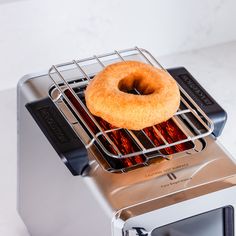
column 60, row 134
column 204, row 100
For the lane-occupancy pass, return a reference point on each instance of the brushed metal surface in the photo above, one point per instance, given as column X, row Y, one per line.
column 50, row 198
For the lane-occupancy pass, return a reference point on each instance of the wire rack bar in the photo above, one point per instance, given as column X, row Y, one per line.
column 180, row 112
column 141, row 51
column 144, row 56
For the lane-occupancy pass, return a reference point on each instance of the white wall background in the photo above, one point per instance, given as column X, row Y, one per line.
column 35, row 34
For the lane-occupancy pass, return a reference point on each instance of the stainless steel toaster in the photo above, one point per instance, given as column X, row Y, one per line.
column 79, row 175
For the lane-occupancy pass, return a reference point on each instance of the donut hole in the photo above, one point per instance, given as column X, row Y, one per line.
column 133, row 83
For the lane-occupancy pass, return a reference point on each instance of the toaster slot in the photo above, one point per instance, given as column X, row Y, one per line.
column 128, row 141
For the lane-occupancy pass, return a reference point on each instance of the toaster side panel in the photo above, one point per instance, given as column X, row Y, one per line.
column 51, row 201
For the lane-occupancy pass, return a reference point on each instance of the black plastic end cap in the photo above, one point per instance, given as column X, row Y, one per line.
column 204, row 100
column 60, row 134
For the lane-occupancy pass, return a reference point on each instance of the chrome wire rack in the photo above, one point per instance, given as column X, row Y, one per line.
column 83, row 72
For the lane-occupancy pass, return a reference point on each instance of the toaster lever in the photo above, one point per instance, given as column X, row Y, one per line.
column 60, row 134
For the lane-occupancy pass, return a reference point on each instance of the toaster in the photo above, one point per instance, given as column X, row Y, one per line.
column 79, row 175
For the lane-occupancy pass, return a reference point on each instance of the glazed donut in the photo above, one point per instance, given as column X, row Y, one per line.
column 108, row 97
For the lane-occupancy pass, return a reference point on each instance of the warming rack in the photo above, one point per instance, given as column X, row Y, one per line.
column 103, row 60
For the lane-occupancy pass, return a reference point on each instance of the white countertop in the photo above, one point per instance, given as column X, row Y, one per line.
column 213, row 67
